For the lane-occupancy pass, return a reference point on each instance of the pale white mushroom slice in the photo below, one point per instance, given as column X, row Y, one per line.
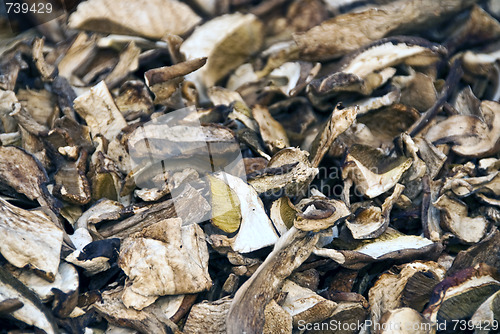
column 30, row 238
column 227, row 41
column 100, row 112
column 164, row 259
column 144, row 18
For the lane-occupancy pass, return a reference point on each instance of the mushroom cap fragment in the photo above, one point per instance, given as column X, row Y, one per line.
column 144, row 18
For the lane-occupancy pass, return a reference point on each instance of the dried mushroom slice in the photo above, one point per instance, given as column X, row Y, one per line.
column 304, row 305
column 81, row 53
column 328, row 40
column 208, row 317
column 282, row 214
column 134, row 100
column 340, row 120
column 149, row 320
column 7, row 99
column 32, row 312
column 139, row 18
column 390, row 245
column 40, row 105
column 99, row 110
column 22, row 172
column 66, row 281
column 276, row 319
column 455, row 218
column 96, row 256
column 371, row 171
column 289, row 170
column 165, row 81
column 488, row 312
column 272, row 132
column 71, row 183
column 417, row 90
column 164, row 259
column 244, row 210
column 128, row 62
column 246, row 313
column 31, row 239
column 319, row 213
column 371, row 222
column 227, row 41
column 470, row 136
column 458, row 296
column 408, row 285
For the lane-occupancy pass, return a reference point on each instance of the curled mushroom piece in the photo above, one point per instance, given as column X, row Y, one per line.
column 316, row 214
column 469, row 135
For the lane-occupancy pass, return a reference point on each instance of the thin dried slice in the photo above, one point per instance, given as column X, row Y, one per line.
column 140, row 18
column 470, row 136
column 304, row 305
column 458, row 296
column 208, row 317
column 455, row 218
column 71, row 183
column 488, row 312
column 40, row 105
column 290, row 252
column 66, row 281
column 371, row 222
column 328, row 40
column 134, row 100
column 82, row 51
column 417, row 90
column 31, row 239
column 272, row 132
column 165, row 81
column 408, row 285
column 390, row 245
column 288, row 171
column 22, row 172
column 372, row 172
column 32, row 312
column 96, row 256
column 149, row 320
column 98, row 109
column 7, row 98
column 128, row 62
column 282, row 214
column 319, row 213
column 227, row 41
column 340, row 120
column 47, row 71
column 164, row 259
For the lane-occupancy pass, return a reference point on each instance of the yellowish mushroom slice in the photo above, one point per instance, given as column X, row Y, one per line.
column 408, row 285
column 227, row 41
column 455, row 218
column 459, row 296
column 371, row 171
column 305, row 305
column 31, row 238
column 164, row 259
column 139, row 18
column 469, row 135
column 282, row 214
column 371, row 222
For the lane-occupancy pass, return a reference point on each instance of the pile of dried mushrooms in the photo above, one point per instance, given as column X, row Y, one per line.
column 282, row 166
